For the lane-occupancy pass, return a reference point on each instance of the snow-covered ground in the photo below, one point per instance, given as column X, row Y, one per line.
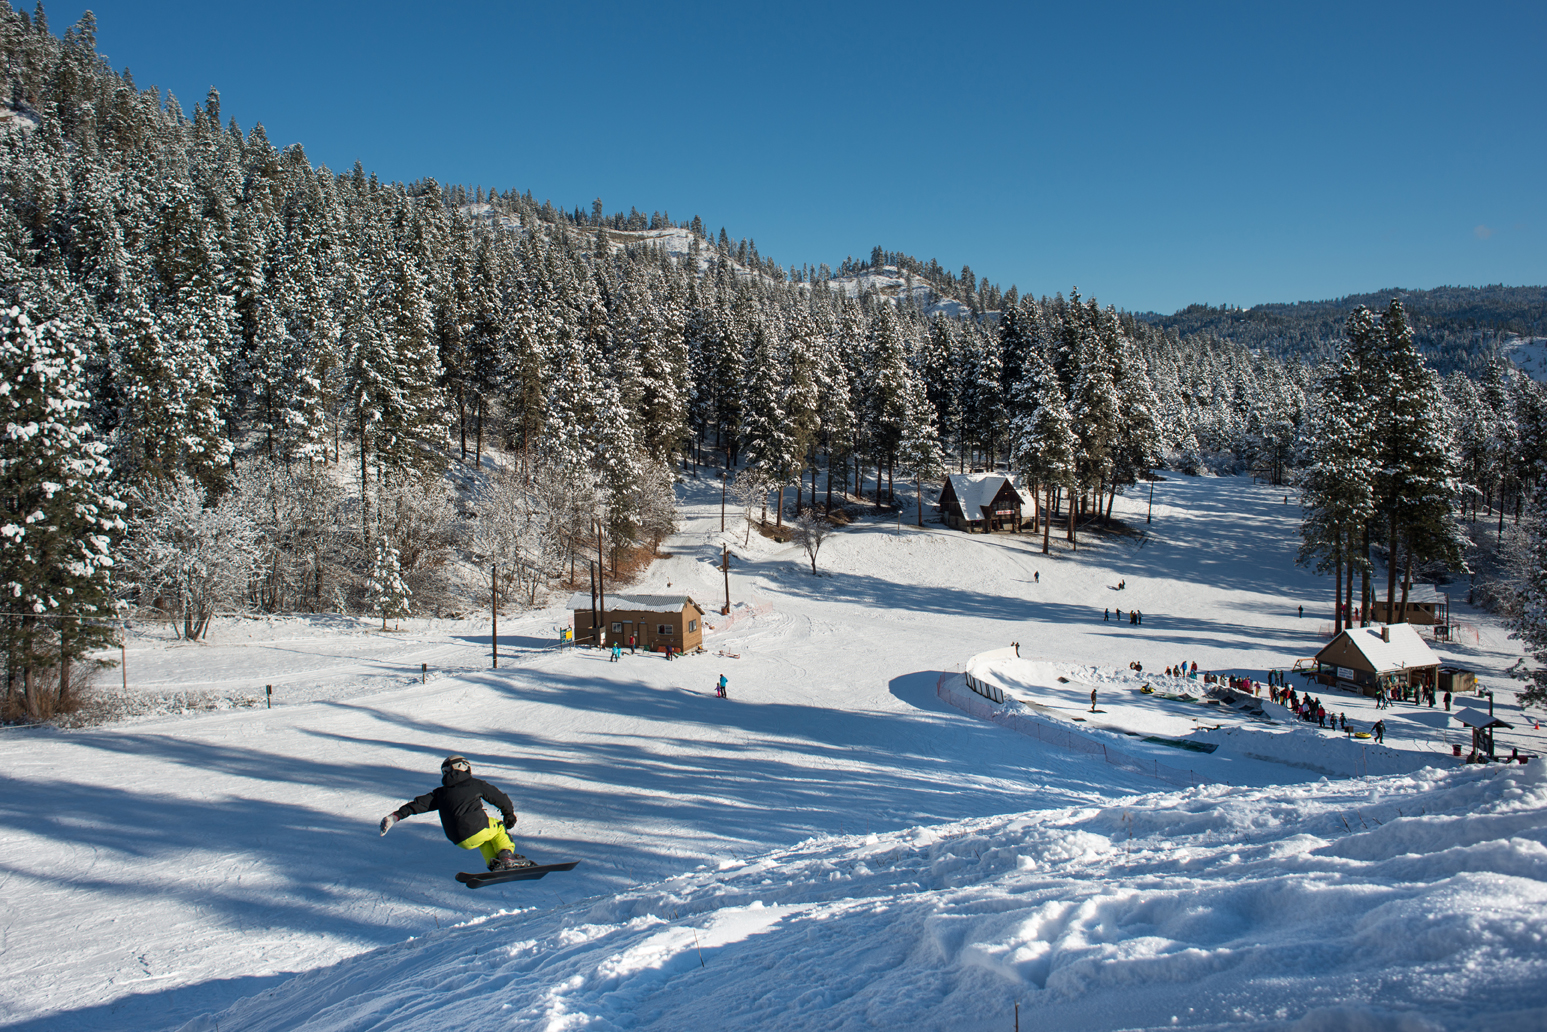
column 834, row 846
column 1529, row 354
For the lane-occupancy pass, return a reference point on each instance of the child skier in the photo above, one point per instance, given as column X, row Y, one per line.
column 719, row 689
column 459, row 799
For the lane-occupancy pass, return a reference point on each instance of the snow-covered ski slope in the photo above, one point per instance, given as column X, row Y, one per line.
column 833, row 846
column 1529, row 355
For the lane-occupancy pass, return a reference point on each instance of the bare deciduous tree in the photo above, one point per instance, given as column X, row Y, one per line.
column 810, row 531
column 750, row 487
column 188, row 559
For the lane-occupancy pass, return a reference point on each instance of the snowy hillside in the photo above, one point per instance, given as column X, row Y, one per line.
column 915, row 866
column 1529, row 355
column 1341, row 905
column 677, row 241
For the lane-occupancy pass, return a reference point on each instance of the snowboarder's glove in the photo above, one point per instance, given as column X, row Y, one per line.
column 509, row 819
column 387, row 822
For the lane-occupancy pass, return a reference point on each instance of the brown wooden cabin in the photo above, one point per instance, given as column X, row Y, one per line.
column 984, row 501
column 1425, row 605
column 1456, row 680
column 655, row 620
column 1370, row 658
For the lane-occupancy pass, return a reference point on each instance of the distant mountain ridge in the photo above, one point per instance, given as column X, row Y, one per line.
column 1456, row 326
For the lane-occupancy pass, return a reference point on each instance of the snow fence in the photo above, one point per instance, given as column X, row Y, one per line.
column 986, row 702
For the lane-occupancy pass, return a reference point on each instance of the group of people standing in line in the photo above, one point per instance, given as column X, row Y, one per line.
column 1310, row 709
column 1423, row 694
column 617, row 650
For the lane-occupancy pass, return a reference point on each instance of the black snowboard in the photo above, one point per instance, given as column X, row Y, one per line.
column 482, row 878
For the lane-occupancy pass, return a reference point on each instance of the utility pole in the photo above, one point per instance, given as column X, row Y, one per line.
column 494, row 611
column 1151, row 508
column 722, row 499
column 725, row 565
column 595, row 624
column 601, row 581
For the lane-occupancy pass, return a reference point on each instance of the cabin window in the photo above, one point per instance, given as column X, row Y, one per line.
column 692, row 626
column 617, row 628
column 664, row 630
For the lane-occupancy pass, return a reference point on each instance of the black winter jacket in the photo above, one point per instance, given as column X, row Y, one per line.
column 460, row 802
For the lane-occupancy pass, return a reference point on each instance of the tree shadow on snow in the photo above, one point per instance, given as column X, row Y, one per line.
column 742, row 772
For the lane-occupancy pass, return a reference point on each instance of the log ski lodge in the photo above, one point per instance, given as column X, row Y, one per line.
column 986, row 502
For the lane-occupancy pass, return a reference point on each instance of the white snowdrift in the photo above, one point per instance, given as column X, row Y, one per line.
column 1405, row 902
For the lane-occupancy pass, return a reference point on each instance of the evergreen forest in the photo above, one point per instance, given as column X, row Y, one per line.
column 234, row 381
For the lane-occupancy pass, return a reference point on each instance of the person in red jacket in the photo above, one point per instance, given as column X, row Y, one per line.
column 459, row 800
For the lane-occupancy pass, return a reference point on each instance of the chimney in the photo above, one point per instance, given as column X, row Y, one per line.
column 1385, row 634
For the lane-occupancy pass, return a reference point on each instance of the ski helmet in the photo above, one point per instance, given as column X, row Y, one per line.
column 455, row 763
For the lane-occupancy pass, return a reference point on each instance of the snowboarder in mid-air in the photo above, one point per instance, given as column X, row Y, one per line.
column 459, row 799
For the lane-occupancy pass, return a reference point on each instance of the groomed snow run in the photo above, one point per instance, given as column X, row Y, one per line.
column 834, row 846
column 1402, row 903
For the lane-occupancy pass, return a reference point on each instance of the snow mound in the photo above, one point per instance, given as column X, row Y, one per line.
column 1408, row 902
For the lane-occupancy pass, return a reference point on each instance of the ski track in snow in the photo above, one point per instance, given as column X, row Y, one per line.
column 832, row 847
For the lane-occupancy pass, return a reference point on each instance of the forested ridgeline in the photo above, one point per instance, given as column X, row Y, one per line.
column 238, row 381
column 1456, row 328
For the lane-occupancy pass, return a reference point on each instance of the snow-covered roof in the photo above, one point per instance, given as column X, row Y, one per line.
column 1425, row 593
column 1473, row 717
column 1405, row 650
column 975, row 490
column 634, row 603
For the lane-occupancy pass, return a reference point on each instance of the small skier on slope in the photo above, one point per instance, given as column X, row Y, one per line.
column 459, row 799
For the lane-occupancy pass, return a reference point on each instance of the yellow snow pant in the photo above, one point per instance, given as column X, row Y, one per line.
column 490, row 841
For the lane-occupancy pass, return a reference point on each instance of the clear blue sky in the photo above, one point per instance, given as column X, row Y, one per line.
column 1152, row 154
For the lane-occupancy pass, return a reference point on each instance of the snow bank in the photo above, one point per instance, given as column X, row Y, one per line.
column 1408, row 902
column 1019, row 718
column 1326, row 752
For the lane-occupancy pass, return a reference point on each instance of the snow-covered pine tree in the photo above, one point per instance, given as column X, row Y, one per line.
column 838, row 422
column 172, row 396
column 801, row 398
column 918, row 450
column 389, row 594
column 1093, row 400
column 886, row 389
column 1338, row 490
column 1416, row 481
column 766, row 434
column 58, row 515
column 1530, row 625
column 1417, row 485
column 1042, row 442
column 1137, row 444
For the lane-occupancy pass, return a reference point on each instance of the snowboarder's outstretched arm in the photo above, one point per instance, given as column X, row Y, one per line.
column 418, row 804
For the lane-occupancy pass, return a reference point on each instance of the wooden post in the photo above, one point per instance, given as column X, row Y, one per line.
column 725, row 565
column 268, row 691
